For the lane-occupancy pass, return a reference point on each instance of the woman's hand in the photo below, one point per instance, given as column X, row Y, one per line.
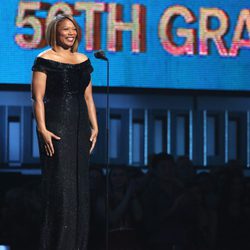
column 93, row 138
column 47, row 138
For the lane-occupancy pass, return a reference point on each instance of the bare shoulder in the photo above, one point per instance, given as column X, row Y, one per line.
column 46, row 54
column 80, row 57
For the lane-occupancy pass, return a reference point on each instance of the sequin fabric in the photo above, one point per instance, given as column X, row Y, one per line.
column 65, row 175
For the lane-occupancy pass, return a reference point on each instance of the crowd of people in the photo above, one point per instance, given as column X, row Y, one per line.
column 170, row 206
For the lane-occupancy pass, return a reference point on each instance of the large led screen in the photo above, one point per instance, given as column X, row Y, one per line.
column 173, row 44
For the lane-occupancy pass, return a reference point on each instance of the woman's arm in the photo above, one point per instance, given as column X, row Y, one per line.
column 92, row 115
column 38, row 90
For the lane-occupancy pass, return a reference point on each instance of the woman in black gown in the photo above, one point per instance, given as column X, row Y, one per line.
column 67, row 130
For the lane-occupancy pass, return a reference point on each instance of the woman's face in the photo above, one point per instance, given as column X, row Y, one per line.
column 66, row 33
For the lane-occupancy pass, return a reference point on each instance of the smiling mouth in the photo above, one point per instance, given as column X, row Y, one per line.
column 70, row 39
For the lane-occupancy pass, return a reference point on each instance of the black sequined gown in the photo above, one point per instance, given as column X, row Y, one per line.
column 65, row 175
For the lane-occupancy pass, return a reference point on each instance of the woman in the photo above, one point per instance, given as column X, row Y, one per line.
column 67, row 131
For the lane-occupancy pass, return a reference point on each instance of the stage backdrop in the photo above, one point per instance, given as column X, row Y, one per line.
column 175, row 44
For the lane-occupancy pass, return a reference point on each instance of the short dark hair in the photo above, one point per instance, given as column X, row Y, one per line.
column 157, row 158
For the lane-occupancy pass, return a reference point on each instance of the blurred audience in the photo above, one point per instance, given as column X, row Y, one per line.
column 170, row 206
column 97, row 208
column 125, row 211
column 21, row 217
column 162, row 227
